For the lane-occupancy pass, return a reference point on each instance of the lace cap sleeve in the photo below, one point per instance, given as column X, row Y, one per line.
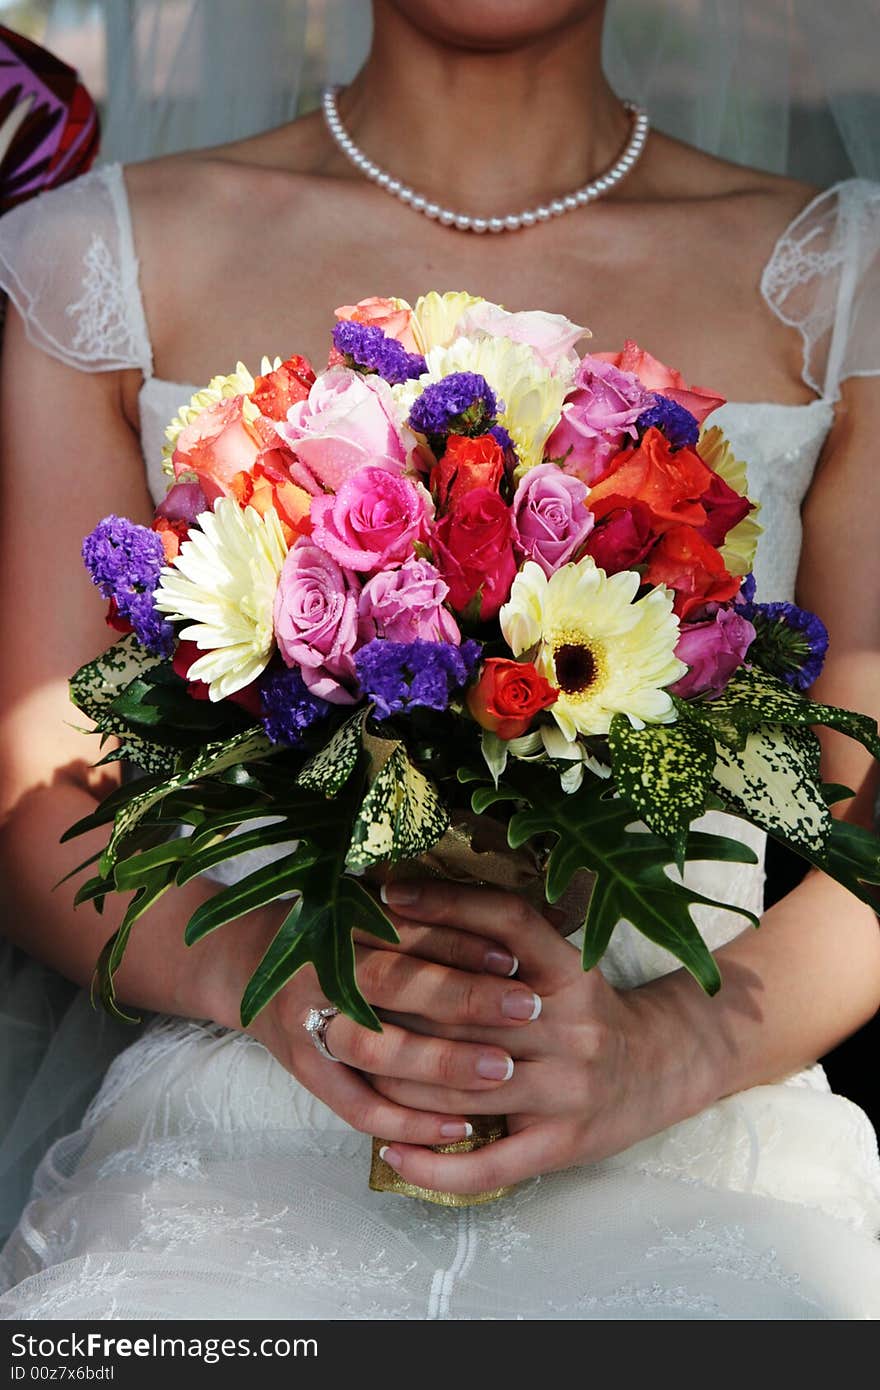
column 68, row 263
column 824, row 279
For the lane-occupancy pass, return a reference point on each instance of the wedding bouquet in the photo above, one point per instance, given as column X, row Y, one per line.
column 461, row 589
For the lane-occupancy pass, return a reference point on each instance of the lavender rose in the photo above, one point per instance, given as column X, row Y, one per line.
column 316, row 621
column 373, row 520
column 349, row 420
column 597, row 418
column 551, row 516
column 406, row 605
column 712, row 650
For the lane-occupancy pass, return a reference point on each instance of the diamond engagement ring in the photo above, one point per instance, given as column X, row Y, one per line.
column 316, row 1025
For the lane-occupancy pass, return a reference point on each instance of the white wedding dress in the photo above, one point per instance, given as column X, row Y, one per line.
column 206, row 1182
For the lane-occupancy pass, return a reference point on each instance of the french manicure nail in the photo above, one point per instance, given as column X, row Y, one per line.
column 399, row 894
column 500, row 962
column 493, row 1068
column 391, row 1156
column 462, row 1130
column 521, row 1006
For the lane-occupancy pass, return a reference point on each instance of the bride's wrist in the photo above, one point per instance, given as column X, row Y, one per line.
column 237, row 951
column 672, row 1046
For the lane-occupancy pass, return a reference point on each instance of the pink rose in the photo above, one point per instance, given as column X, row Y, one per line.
column 623, row 539
column 551, row 336
column 597, row 419
column 550, row 516
column 373, row 521
column 393, row 316
column 474, row 551
column 406, row 605
column 712, row 650
column 656, row 377
column 349, row 420
column 218, row 443
column 316, row 621
column 183, row 502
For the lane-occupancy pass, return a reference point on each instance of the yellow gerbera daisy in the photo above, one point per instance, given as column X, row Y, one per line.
column 532, row 395
column 224, row 581
column 741, row 543
column 436, row 317
column 220, row 388
column 605, row 653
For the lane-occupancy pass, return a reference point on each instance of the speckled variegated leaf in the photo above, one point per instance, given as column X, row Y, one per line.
column 249, row 746
column 149, row 757
column 329, row 770
column 753, row 697
column 772, row 781
column 401, row 816
column 97, row 684
column 665, row 772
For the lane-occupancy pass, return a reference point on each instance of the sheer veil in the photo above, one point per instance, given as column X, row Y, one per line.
column 791, row 86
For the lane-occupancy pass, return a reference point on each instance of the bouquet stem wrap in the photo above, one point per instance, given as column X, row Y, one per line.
column 474, row 851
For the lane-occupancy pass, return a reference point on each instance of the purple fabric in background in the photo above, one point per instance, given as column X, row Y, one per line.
column 49, row 127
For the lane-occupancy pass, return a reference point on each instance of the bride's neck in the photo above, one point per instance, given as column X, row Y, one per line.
column 486, row 132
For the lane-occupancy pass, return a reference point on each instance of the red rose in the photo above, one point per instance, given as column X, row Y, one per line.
column 670, row 483
column 185, row 655
column 693, row 568
column 112, row 619
column 276, row 392
column 474, row 551
column 724, row 510
column 467, row 464
column 623, row 539
column 508, row 695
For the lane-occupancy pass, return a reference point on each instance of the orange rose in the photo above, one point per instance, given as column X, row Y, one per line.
column 393, row 316
column 508, row 695
column 669, row 483
column 172, row 535
column 219, row 443
column 687, row 563
column 466, row 464
column 276, row 392
column 270, row 485
column 656, row 377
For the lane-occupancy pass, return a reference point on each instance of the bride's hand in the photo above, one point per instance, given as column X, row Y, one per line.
column 465, row 981
column 596, row 1071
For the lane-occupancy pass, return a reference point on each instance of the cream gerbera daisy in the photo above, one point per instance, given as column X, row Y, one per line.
column 436, row 316
column 220, row 388
column 532, row 395
column 605, row 653
column 223, row 582
column 740, row 543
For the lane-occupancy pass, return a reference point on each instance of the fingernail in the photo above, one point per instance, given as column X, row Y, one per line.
column 500, row 962
column 494, row 1068
column 462, row 1130
column 392, row 1157
column 399, row 894
column 525, row 1007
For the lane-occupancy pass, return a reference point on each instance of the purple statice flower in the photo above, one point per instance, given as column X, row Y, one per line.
column 680, row 427
column 462, row 403
column 289, row 707
column 503, row 439
column 790, row 642
column 124, row 561
column 365, row 346
column 398, row 676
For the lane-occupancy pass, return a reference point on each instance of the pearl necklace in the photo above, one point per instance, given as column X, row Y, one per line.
column 461, row 221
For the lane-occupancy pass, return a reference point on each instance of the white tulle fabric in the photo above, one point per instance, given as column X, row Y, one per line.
column 204, row 1181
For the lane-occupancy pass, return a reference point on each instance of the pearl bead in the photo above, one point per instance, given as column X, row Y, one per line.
column 496, row 224
column 557, row 207
column 383, row 180
column 542, row 214
column 571, row 203
column 394, row 186
column 582, row 197
column 432, row 210
column 480, row 224
column 512, row 223
column 462, row 222
column 528, row 219
column 418, row 204
column 405, row 195
column 447, row 217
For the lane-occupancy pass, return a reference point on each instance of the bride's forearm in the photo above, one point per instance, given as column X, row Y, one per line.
column 792, row 990
column 159, row 973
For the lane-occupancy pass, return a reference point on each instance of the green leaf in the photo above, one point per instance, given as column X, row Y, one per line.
column 133, row 872
column 852, row 857
column 329, row 770
column 265, row 885
column 591, row 832
column 111, row 957
column 318, row 931
column 495, row 751
column 401, row 816
column 230, row 846
column 97, row 685
column 772, row 781
column 665, row 772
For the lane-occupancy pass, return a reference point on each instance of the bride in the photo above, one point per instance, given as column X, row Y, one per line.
column 677, row 1157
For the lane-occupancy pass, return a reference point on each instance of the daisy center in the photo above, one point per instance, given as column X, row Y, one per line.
column 577, row 667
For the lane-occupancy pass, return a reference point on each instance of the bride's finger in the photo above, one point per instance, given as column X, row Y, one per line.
column 523, row 1155
column 351, row 1097
column 522, row 1094
column 544, row 956
column 468, row 1069
column 407, row 985
column 446, row 946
